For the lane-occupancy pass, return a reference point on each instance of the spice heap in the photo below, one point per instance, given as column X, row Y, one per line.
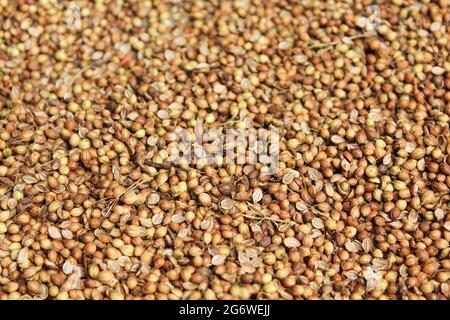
column 92, row 92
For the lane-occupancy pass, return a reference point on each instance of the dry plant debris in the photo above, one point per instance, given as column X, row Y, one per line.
column 91, row 93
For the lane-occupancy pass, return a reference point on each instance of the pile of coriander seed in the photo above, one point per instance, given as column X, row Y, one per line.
column 92, row 94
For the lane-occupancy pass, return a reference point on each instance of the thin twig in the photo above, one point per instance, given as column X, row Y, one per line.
column 267, row 218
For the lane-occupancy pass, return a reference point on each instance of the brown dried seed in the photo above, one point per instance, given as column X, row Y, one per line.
column 204, row 199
